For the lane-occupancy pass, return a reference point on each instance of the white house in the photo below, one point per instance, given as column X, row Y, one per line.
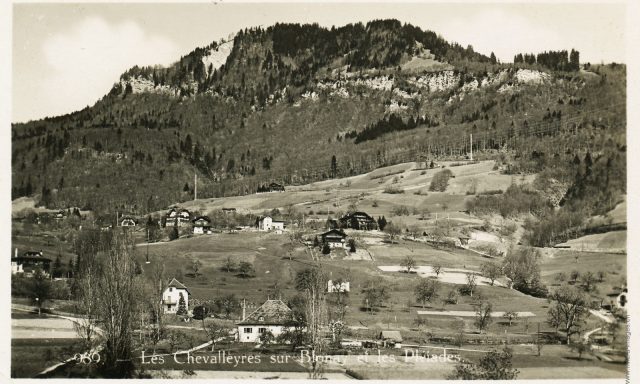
column 338, row 286
column 267, row 223
column 273, row 316
column 171, row 296
column 201, row 225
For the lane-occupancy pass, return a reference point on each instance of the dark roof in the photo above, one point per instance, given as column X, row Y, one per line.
column 391, row 335
column 334, row 233
column 205, row 218
column 272, row 312
column 361, row 214
column 357, row 214
column 31, row 256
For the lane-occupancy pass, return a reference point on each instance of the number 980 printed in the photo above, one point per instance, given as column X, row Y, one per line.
column 87, row 358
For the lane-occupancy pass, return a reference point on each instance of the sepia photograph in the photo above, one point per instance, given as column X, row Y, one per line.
column 318, row 191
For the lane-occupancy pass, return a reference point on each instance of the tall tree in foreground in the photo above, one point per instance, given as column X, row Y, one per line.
column 312, row 283
column 109, row 292
column 116, row 305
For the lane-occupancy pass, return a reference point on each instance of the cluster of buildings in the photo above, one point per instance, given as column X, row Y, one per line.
column 272, row 316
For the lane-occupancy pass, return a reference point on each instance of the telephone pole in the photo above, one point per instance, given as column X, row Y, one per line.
column 195, row 186
column 471, row 145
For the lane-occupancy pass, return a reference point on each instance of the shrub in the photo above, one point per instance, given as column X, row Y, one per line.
column 393, row 190
column 491, row 192
column 440, row 180
column 400, row 210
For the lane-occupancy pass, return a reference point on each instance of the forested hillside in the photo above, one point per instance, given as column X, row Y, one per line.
column 277, row 104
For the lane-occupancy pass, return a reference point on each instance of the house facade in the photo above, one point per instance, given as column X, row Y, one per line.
column 179, row 217
column 335, row 238
column 29, row 261
column 201, row 225
column 267, row 223
column 127, row 221
column 273, row 316
column 171, row 296
column 338, row 286
column 358, row 220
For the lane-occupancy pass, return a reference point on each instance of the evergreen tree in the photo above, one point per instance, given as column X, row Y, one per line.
column 334, row 166
column 57, row 267
column 182, row 306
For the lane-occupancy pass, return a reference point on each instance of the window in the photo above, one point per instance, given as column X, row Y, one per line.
column 262, row 330
column 248, row 330
column 170, row 289
column 261, row 318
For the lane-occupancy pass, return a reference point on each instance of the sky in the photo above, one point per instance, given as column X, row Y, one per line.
column 67, row 56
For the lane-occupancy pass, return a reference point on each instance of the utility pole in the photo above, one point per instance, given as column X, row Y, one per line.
column 195, row 186
column 471, row 145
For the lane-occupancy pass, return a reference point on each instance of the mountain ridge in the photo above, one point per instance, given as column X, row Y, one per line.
column 282, row 90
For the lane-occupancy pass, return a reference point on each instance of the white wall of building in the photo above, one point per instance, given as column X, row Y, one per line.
column 251, row 333
column 171, row 299
column 265, row 224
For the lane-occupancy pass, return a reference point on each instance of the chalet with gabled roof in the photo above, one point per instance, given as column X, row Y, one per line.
column 177, row 217
column 335, row 238
column 201, row 225
column 358, row 220
column 172, row 294
column 273, row 316
column 29, row 262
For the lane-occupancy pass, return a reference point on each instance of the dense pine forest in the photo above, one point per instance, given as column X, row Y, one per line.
column 288, row 99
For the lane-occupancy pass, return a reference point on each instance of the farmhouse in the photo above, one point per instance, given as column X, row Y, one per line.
column 179, row 217
column 267, row 223
column 201, row 225
column 273, row 316
column 29, row 262
column 228, row 210
column 390, row 337
column 172, row 294
column 273, row 187
column 335, row 238
column 358, row 220
column 338, row 286
column 127, row 221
